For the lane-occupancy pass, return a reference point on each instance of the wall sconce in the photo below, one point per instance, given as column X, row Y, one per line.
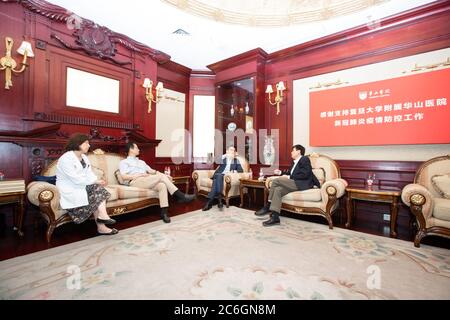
column 279, row 97
column 148, row 85
column 8, row 64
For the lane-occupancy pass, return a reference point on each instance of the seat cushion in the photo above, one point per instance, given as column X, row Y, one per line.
column 125, row 192
column 113, row 192
column 441, row 184
column 441, row 209
column 307, row 195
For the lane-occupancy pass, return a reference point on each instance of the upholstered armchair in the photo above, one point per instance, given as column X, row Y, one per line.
column 429, row 198
column 231, row 181
column 321, row 201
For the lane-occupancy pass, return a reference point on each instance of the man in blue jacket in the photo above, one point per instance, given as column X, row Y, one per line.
column 229, row 164
column 299, row 177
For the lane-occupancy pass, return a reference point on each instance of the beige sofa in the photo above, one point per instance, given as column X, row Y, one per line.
column 231, row 181
column 321, row 201
column 123, row 199
column 429, row 198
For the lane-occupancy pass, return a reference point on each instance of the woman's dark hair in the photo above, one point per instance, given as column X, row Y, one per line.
column 130, row 145
column 300, row 148
column 76, row 141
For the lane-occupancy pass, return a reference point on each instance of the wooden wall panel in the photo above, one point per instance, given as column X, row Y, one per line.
column 419, row 30
column 37, row 99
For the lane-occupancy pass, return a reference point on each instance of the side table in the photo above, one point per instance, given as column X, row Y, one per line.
column 376, row 195
column 252, row 184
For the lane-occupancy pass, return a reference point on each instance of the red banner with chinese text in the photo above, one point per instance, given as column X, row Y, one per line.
column 406, row 110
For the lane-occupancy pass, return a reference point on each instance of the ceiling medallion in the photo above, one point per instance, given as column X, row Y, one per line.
column 271, row 13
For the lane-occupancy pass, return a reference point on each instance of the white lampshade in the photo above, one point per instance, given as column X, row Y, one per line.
column 269, row 89
column 147, row 83
column 280, row 86
column 26, row 47
column 159, row 86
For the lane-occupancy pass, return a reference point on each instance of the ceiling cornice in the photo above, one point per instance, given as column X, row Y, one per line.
column 403, row 18
column 255, row 54
column 61, row 15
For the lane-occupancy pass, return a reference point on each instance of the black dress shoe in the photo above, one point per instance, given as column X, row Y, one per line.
column 187, row 198
column 263, row 211
column 207, row 206
column 220, row 204
column 106, row 221
column 164, row 215
column 112, row 232
column 165, row 218
column 272, row 221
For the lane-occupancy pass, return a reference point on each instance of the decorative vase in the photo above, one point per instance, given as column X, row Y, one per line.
column 269, row 151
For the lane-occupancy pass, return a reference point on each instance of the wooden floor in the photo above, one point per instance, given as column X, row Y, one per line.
column 11, row 245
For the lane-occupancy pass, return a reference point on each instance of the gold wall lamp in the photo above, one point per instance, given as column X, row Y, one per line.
column 148, row 85
column 279, row 97
column 8, row 64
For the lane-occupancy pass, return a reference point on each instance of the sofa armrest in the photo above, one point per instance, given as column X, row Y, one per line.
column 40, row 193
column 234, row 178
column 198, row 175
column 419, row 199
column 333, row 187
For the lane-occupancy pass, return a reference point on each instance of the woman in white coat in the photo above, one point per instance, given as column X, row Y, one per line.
column 82, row 193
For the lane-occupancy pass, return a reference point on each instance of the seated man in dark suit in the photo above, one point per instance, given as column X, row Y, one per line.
column 301, row 178
column 229, row 164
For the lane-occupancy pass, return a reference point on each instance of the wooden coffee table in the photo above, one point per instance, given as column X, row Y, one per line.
column 374, row 194
column 252, row 184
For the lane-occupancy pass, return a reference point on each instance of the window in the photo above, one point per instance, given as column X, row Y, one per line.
column 204, row 118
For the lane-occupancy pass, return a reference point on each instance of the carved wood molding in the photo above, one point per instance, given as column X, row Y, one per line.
column 53, row 136
column 59, row 14
column 56, row 118
column 87, row 43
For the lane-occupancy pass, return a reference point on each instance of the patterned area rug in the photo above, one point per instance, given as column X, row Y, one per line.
column 229, row 255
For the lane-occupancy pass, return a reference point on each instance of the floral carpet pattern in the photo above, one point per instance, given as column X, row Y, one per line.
column 229, row 255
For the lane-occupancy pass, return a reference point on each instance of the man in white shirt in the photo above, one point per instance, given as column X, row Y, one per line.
column 138, row 174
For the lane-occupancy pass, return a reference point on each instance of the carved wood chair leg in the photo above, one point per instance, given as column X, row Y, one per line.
column 50, row 229
column 418, row 238
column 330, row 220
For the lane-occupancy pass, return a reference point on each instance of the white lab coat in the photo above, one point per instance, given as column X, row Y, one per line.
column 72, row 179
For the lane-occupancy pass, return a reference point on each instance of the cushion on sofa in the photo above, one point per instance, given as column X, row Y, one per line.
column 306, row 195
column 113, row 192
column 126, row 192
column 320, row 175
column 441, row 184
column 441, row 209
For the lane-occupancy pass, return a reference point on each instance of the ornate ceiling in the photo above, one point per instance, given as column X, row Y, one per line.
column 272, row 13
column 180, row 27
